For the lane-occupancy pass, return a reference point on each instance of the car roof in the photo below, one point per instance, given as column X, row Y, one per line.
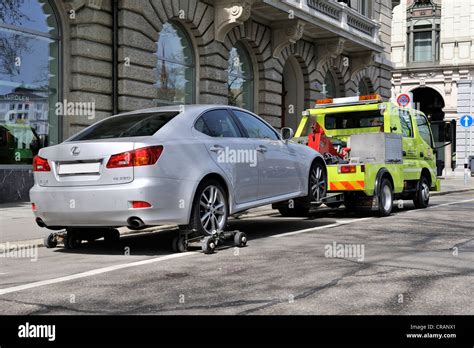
column 188, row 108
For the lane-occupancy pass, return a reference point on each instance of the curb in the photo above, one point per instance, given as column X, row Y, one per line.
column 40, row 242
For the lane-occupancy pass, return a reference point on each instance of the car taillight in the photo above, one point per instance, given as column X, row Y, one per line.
column 145, row 156
column 33, row 206
column 140, row 205
column 347, row 169
column 41, row 164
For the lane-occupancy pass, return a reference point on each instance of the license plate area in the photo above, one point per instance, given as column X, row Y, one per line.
column 79, row 168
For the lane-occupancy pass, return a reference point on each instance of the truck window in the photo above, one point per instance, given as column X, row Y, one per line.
column 351, row 120
column 424, row 128
column 405, row 122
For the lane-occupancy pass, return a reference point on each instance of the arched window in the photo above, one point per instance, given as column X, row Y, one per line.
column 330, row 85
column 240, row 78
column 176, row 66
column 29, row 79
column 364, row 88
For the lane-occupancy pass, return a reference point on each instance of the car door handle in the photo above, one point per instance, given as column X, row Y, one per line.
column 262, row 149
column 216, row 148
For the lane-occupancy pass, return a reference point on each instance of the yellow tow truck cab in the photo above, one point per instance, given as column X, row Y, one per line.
column 375, row 152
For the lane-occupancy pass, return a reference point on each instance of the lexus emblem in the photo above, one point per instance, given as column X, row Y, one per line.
column 75, row 150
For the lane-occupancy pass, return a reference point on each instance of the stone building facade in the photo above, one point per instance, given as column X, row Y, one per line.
column 433, row 53
column 274, row 58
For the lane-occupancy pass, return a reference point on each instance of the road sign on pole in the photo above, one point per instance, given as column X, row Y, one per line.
column 404, row 100
column 466, row 121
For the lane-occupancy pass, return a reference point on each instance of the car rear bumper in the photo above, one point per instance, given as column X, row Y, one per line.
column 109, row 205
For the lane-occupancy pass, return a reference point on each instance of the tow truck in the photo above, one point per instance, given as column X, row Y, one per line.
column 375, row 152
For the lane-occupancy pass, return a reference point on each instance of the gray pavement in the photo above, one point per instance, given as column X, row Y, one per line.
column 414, row 262
column 17, row 220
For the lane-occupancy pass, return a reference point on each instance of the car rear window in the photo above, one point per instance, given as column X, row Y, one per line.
column 351, row 120
column 137, row 125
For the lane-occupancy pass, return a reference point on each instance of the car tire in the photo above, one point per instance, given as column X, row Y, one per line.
column 208, row 212
column 317, row 182
column 385, row 198
column 422, row 196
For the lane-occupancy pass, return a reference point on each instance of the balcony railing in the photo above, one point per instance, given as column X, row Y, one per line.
column 341, row 15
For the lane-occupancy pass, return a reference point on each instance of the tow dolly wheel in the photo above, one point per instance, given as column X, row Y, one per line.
column 71, row 241
column 240, row 239
column 50, row 241
column 179, row 244
column 208, row 245
column 112, row 236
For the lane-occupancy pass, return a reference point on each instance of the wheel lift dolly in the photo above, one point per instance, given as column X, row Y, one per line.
column 207, row 244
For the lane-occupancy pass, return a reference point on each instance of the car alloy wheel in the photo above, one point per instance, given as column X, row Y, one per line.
column 318, row 182
column 213, row 209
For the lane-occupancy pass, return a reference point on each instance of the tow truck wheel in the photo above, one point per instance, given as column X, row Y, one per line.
column 385, row 198
column 50, row 241
column 422, row 196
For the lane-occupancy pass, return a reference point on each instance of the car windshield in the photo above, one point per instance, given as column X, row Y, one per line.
column 136, row 125
column 351, row 120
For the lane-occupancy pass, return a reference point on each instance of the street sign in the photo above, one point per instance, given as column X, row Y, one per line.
column 466, row 121
column 403, row 100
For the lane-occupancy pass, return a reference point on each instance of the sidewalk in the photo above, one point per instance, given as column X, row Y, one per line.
column 17, row 222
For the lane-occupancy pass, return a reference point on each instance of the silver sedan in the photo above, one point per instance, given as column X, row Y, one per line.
column 192, row 166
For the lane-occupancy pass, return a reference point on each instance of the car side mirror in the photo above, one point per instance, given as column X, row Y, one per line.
column 287, row 133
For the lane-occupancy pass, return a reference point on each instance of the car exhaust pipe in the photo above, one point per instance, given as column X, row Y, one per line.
column 135, row 223
column 40, row 222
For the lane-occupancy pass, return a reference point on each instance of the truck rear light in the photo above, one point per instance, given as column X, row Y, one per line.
column 41, row 164
column 140, row 205
column 145, row 156
column 347, row 169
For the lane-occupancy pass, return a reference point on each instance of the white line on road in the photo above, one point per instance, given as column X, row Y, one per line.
column 451, row 203
column 321, row 227
column 92, row 273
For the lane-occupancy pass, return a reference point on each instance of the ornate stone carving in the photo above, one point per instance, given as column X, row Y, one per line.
column 329, row 49
column 286, row 33
column 229, row 14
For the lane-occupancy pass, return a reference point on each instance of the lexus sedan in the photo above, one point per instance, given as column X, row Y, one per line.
column 192, row 166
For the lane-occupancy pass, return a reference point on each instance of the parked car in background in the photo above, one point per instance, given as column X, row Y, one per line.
column 193, row 166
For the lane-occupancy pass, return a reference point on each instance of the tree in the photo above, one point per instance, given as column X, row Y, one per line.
column 10, row 11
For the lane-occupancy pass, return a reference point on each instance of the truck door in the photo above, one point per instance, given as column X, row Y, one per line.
column 411, row 170
column 425, row 143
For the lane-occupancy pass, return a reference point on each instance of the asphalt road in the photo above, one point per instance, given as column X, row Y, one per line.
column 413, row 262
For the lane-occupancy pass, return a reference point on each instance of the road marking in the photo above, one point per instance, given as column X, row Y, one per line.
column 451, row 203
column 92, row 273
column 321, row 227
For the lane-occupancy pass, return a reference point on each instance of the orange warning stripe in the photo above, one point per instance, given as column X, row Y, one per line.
column 346, row 185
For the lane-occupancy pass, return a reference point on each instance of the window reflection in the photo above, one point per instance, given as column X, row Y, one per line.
column 28, row 79
column 176, row 68
column 240, row 78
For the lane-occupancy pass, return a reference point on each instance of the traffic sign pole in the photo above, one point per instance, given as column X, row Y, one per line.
column 466, row 121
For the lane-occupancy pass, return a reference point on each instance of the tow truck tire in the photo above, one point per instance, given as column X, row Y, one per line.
column 422, row 196
column 385, row 198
